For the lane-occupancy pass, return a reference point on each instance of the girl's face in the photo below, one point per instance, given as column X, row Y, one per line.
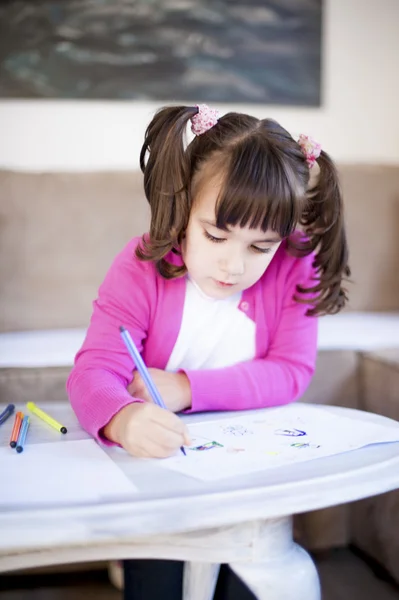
column 220, row 262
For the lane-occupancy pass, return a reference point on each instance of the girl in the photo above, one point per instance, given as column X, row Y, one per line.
column 246, row 247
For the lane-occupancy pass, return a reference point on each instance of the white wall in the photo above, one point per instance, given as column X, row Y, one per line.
column 358, row 121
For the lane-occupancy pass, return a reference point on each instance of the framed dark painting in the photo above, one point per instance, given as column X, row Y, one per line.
column 247, row 51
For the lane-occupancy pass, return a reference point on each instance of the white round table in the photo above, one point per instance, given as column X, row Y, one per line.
column 244, row 521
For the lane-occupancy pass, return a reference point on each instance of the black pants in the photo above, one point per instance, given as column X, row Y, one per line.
column 163, row 580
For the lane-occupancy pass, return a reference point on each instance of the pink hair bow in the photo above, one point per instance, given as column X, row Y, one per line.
column 204, row 119
column 310, row 148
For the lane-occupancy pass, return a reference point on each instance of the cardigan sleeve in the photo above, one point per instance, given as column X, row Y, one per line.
column 103, row 368
column 279, row 377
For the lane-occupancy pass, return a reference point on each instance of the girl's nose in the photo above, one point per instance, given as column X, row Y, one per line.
column 233, row 265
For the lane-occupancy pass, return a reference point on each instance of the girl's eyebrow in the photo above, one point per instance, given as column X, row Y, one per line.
column 213, row 224
column 272, row 240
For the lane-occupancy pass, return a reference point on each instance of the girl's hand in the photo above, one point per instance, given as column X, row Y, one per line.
column 146, row 430
column 174, row 388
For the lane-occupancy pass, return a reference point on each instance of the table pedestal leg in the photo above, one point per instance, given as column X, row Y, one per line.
column 262, row 553
column 199, row 580
column 279, row 568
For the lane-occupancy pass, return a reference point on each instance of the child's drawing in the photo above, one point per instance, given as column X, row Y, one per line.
column 237, row 430
column 291, row 435
column 290, row 432
column 207, row 446
column 299, row 445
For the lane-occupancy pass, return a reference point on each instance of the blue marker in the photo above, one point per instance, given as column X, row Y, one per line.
column 7, row 412
column 22, row 434
column 142, row 369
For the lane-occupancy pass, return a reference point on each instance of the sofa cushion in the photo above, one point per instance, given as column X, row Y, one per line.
column 374, row 520
column 352, row 332
column 38, row 362
column 37, row 384
column 59, row 233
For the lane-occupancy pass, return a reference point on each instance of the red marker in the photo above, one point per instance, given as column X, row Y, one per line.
column 15, row 430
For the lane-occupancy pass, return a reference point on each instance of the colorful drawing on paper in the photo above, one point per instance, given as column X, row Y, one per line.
column 271, row 438
column 290, row 432
column 236, row 430
column 207, row 446
column 304, row 445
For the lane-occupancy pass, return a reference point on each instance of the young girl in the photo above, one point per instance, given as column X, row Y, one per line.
column 246, row 247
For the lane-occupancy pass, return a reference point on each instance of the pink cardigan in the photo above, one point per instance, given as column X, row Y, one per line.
column 133, row 294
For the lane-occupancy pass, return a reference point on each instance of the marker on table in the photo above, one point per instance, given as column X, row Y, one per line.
column 22, row 434
column 7, row 412
column 16, row 429
column 142, row 369
column 45, row 417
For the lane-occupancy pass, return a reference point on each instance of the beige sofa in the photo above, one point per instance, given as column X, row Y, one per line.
column 59, row 233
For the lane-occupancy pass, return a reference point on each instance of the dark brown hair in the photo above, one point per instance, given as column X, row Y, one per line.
column 264, row 183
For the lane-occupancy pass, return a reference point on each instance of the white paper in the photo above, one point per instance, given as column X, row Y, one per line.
column 273, row 438
column 67, row 472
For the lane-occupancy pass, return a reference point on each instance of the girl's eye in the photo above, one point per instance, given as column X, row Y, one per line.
column 261, row 250
column 212, row 238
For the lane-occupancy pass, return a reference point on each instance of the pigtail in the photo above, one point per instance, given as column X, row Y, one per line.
column 166, row 174
column 323, row 223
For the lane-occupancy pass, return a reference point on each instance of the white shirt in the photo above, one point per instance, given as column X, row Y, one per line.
column 214, row 333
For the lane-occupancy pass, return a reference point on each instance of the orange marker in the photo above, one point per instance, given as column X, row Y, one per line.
column 15, row 430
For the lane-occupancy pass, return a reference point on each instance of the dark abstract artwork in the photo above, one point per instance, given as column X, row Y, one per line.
column 257, row 51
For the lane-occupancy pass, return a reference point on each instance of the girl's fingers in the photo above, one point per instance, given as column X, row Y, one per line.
column 168, row 420
column 165, row 438
column 154, row 432
column 187, row 438
column 173, row 423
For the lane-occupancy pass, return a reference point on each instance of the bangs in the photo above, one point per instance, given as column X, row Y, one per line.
column 259, row 191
